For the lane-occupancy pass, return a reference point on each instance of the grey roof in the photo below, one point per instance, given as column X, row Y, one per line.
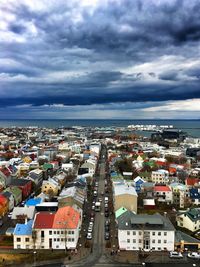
column 131, row 221
column 179, row 236
column 146, row 219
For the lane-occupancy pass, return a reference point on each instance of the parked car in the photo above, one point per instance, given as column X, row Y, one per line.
column 175, row 254
column 92, row 219
column 91, row 224
column 89, row 236
column 107, row 228
column 193, row 255
column 93, row 207
column 106, row 200
column 107, row 235
column 106, row 205
column 106, row 214
column 107, row 222
column 90, row 228
column 106, row 209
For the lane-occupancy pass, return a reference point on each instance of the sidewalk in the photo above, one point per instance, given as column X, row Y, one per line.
column 134, row 257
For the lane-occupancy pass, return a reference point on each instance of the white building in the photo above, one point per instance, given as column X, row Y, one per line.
column 189, row 219
column 160, row 176
column 22, row 236
column 163, row 194
column 145, row 232
column 49, row 230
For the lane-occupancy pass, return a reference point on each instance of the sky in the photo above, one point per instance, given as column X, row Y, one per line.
column 100, row 59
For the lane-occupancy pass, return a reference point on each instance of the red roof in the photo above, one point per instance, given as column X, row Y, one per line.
column 3, row 199
column 44, row 220
column 191, row 181
column 66, row 218
column 162, row 188
column 5, row 171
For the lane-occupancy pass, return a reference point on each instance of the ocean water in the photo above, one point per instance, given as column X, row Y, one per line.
column 192, row 127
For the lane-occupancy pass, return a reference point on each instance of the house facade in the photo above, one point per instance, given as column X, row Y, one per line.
column 189, row 219
column 145, row 232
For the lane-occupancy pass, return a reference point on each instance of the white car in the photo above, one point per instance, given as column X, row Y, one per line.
column 89, row 236
column 175, row 254
column 90, row 228
column 193, row 255
column 91, row 223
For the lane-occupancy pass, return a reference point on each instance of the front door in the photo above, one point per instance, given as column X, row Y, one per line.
column 146, row 244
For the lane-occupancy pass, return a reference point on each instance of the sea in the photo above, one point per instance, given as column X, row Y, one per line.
column 191, row 127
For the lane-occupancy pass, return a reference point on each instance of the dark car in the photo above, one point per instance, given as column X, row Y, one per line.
column 106, row 214
column 107, row 228
column 107, row 235
column 106, row 209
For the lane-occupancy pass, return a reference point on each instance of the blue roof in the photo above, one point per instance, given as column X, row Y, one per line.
column 23, row 229
column 194, row 193
column 33, row 201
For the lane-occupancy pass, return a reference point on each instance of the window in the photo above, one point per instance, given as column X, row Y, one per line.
column 159, row 233
column 165, row 233
column 159, row 241
column 128, row 240
column 42, row 233
column 54, row 239
column 50, row 232
column 165, row 241
column 18, row 246
column 27, row 239
column 153, row 233
column 62, row 239
column 62, row 232
column 58, row 239
column 18, row 239
column 54, row 232
column 153, row 241
column 134, row 233
column 134, row 240
column 140, row 233
column 72, row 232
column 128, row 232
column 72, row 239
column 69, row 239
column 27, row 246
column 153, row 248
column 140, row 240
column 58, row 232
column 159, row 248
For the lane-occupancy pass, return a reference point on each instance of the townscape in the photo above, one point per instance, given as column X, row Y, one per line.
column 84, row 191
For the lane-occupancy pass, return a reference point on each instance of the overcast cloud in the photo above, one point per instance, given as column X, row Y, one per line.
column 99, row 59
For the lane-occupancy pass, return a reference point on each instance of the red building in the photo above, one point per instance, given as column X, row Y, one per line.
column 24, row 185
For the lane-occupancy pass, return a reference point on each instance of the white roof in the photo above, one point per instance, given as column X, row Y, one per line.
column 149, row 202
column 29, row 211
column 122, row 189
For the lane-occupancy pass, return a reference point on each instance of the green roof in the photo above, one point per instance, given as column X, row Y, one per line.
column 119, row 212
column 47, row 166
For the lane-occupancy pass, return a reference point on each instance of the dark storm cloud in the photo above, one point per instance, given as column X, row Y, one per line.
column 75, row 55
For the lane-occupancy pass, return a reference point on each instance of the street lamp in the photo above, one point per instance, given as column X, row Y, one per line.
column 34, row 257
column 80, row 245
